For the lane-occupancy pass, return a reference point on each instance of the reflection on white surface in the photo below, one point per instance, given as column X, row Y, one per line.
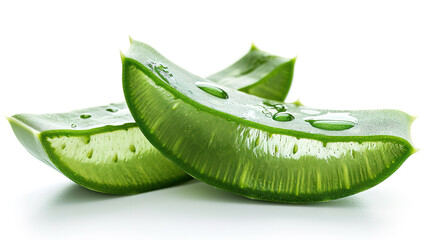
column 189, row 210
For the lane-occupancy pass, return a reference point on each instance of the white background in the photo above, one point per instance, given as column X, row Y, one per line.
column 57, row 56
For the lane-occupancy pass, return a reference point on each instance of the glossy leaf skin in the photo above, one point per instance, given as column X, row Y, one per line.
column 108, row 153
column 235, row 144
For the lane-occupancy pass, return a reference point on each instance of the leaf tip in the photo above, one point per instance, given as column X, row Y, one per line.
column 298, row 103
column 415, row 150
column 294, row 58
column 253, row 47
column 9, row 119
column 122, row 56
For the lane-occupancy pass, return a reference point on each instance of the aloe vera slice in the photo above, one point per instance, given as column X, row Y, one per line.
column 101, row 148
column 258, row 148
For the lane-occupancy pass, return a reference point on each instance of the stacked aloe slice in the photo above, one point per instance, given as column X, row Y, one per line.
column 231, row 130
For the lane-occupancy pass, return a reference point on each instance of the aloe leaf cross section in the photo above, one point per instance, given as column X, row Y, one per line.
column 258, row 148
column 101, row 148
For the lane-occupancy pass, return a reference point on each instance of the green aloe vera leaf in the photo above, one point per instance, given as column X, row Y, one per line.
column 101, row 148
column 258, row 148
column 260, row 74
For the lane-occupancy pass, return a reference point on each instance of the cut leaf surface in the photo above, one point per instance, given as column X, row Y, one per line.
column 106, row 152
column 259, row 148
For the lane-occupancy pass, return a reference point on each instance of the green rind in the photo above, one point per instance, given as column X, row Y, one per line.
column 400, row 137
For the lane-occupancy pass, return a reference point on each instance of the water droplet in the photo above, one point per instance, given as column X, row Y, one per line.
column 267, row 113
column 269, row 108
column 85, row 116
column 283, row 117
column 280, row 107
column 310, row 112
column 332, row 121
column 212, row 89
column 161, row 70
column 164, row 73
column 151, row 65
column 112, row 109
column 334, row 125
column 73, row 125
column 270, row 103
